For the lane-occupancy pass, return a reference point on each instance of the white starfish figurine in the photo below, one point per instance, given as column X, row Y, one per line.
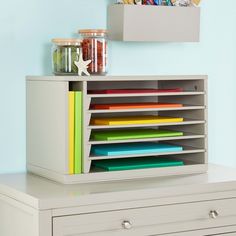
column 82, row 65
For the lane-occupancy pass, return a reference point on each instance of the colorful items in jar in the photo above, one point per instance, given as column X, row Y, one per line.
column 64, row 53
column 94, row 48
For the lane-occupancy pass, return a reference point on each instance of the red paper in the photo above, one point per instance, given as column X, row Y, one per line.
column 134, row 105
column 115, row 91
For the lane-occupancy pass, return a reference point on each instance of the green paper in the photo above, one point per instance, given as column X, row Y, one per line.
column 136, row 163
column 78, row 133
column 133, row 134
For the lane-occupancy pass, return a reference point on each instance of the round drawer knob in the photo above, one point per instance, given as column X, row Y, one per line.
column 126, row 224
column 213, row 214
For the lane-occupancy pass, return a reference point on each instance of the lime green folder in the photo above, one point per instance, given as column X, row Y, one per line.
column 133, row 134
column 136, row 163
column 78, row 132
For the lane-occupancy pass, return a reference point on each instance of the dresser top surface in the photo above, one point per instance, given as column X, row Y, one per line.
column 41, row 193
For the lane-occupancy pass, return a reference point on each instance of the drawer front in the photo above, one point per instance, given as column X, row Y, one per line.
column 149, row 220
column 201, row 233
column 222, row 231
column 229, row 234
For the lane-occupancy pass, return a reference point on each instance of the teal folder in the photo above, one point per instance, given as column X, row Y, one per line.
column 133, row 148
column 136, row 163
column 133, row 134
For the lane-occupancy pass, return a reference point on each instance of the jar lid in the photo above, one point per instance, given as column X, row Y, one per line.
column 93, row 32
column 64, row 42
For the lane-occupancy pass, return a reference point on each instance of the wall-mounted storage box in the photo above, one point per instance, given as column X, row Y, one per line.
column 48, row 130
column 153, row 23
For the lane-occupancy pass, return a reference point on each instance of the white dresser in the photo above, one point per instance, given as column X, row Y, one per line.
column 193, row 205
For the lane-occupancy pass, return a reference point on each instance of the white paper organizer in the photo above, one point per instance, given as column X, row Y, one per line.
column 47, row 123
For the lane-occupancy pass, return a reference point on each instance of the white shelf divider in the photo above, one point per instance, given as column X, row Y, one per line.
column 189, row 93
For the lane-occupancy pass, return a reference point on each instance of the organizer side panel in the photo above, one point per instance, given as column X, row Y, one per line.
column 47, row 125
column 206, row 119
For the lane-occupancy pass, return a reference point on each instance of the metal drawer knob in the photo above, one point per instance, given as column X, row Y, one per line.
column 127, row 224
column 213, row 214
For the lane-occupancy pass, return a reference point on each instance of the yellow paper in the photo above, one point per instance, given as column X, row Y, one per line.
column 134, row 120
column 71, row 120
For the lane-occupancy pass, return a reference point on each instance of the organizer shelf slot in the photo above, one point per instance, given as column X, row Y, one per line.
column 182, row 124
column 185, row 136
column 186, row 93
column 185, row 122
column 148, row 109
column 187, row 150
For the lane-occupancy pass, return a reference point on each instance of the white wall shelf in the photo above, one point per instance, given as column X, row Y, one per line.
column 153, row 23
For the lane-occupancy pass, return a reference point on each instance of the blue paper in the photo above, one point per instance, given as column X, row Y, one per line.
column 133, row 148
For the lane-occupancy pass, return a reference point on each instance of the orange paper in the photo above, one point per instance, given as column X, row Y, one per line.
column 135, row 105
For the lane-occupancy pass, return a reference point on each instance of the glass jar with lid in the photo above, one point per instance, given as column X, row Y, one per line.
column 64, row 53
column 94, row 48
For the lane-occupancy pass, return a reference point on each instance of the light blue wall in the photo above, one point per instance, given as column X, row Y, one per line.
column 25, row 33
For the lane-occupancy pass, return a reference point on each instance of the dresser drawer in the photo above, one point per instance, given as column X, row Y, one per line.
column 197, row 233
column 229, row 234
column 222, row 231
column 149, row 220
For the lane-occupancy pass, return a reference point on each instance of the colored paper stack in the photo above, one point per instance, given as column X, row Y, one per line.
column 75, row 132
column 132, row 120
column 136, row 163
column 127, row 155
column 121, row 149
column 133, row 134
column 143, row 105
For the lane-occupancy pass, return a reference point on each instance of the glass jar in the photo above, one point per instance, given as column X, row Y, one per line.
column 64, row 53
column 94, row 48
